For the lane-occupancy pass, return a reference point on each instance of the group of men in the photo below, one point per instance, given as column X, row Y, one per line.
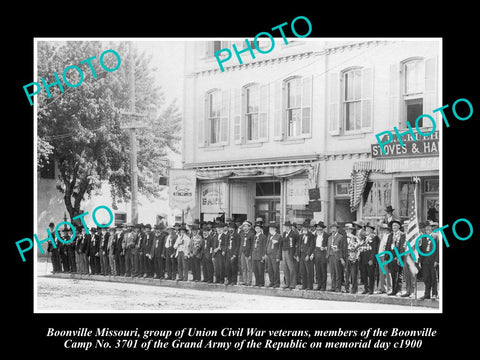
column 245, row 253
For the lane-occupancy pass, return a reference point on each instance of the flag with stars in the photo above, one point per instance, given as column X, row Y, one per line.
column 412, row 231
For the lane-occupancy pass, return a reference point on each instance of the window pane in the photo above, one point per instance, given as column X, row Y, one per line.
column 358, row 118
column 358, row 85
column 348, row 87
column 293, row 118
column 350, row 116
column 252, row 99
column 431, row 186
column 341, row 188
column 367, row 113
column 306, row 120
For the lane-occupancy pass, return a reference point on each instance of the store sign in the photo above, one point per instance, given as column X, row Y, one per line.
column 297, row 192
column 212, row 198
column 182, row 189
column 424, row 146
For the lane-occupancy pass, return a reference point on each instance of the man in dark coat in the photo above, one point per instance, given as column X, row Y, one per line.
column 320, row 256
column 273, row 255
column 119, row 250
column 395, row 239
column 83, row 247
column 169, row 254
column 232, row 249
column 337, row 255
column 70, row 247
column 245, row 260
column 288, row 251
column 207, row 250
column 55, row 250
column 259, row 254
column 368, row 250
column 429, row 263
column 219, row 244
column 156, row 253
column 306, row 245
column 148, row 258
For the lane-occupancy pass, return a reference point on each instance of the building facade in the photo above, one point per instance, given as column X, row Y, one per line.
column 270, row 135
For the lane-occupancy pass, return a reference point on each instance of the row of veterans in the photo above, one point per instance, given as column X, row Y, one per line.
column 227, row 253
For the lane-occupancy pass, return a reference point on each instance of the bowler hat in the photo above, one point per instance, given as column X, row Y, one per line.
column 321, row 224
column 389, row 208
column 259, row 219
column 259, row 224
column 273, row 224
column 148, row 226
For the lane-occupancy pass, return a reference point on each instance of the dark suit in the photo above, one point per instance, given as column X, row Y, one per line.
column 246, row 239
column 288, row 251
column 368, row 250
column 207, row 262
column 273, row 259
column 320, row 260
column 119, row 253
column 395, row 240
column 103, row 254
column 220, row 241
column 149, row 240
column 258, row 252
column 428, row 264
column 306, row 245
column 336, row 252
column 232, row 249
column 157, row 254
column 92, row 251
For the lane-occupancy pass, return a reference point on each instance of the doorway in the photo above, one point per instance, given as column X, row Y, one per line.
column 268, row 210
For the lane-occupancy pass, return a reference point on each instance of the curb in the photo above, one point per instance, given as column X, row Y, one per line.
column 251, row 290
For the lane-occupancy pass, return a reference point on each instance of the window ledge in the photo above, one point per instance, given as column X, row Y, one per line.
column 353, row 135
column 251, row 145
column 293, row 141
column 214, row 147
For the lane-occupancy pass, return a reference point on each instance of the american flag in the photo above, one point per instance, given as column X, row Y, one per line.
column 412, row 231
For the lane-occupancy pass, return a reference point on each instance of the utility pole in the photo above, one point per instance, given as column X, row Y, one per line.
column 131, row 126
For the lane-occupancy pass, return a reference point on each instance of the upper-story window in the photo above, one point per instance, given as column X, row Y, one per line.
column 357, row 99
column 293, row 104
column 413, row 85
column 213, row 46
column 213, row 116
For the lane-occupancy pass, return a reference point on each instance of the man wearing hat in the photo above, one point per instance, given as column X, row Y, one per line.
column 196, row 252
column 157, row 251
column 368, row 250
column 111, row 250
column 288, row 251
column 320, row 255
column 70, row 247
column 395, row 239
column 232, row 249
column 385, row 284
column 336, row 253
column 306, row 246
column 353, row 254
column 273, row 255
column 169, row 253
column 129, row 238
column 429, row 263
column 147, row 249
column 246, row 238
column 119, row 249
column 182, row 243
column 389, row 216
column 82, row 246
column 207, row 251
column 92, row 251
column 259, row 254
column 219, row 245
column 103, row 254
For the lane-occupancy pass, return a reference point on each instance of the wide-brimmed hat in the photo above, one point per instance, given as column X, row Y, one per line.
column 182, row 227
column 259, row 224
column 148, row 226
column 306, row 223
column 247, row 222
column 389, row 208
column 334, row 224
column 321, row 224
column 370, row 225
column 194, row 227
column 273, row 224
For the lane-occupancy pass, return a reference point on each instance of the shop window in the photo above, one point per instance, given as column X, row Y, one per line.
column 377, row 196
column 267, row 189
column 431, row 185
column 342, row 189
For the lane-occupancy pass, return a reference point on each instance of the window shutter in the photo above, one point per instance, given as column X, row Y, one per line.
column 263, row 113
column 237, row 116
column 307, row 84
column 393, row 97
column 278, row 120
column 202, row 116
column 430, row 102
column 224, row 116
column 367, row 98
column 333, row 103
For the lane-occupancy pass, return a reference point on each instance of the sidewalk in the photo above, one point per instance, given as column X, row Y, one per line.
column 266, row 291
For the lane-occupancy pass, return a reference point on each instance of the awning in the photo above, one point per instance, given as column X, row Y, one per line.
column 398, row 165
column 274, row 170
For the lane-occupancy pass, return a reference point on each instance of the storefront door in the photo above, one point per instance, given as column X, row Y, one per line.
column 268, row 210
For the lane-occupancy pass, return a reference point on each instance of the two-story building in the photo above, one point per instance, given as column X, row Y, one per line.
column 304, row 116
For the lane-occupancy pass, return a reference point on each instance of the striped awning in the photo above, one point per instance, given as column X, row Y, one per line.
column 274, row 170
column 398, row 165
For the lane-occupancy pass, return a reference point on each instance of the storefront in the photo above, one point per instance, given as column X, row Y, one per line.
column 274, row 191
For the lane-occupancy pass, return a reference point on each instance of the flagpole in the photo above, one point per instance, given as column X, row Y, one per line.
column 416, row 181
